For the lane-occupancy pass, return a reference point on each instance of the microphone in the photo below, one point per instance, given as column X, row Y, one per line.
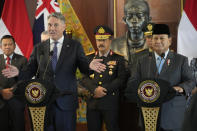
column 40, row 59
column 149, row 63
column 162, row 56
column 50, row 54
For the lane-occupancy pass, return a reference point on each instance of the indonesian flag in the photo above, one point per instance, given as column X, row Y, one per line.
column 15, row 22
column 44, row 8
column 187, row 31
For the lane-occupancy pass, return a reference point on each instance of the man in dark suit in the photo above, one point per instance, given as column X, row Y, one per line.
column 56, row 60
column 11, row 109
column 173, row 68
column 103, row 104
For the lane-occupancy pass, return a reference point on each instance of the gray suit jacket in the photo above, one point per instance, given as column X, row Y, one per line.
column 176, row 71
column 17, row 60
column 71, row 57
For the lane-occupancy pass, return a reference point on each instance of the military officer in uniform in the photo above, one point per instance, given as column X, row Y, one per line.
column 105, row 87
column 148, row 36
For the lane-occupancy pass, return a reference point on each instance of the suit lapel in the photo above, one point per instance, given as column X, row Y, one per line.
column 14, row 59
column 153, row 65
column 168, row 62
column 63, row 52
column 2, row 63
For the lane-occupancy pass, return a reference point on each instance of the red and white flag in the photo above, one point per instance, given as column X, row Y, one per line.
column 187, row 31
column 14, row 21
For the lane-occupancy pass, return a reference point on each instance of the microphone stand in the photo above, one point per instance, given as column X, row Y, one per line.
column 50, row 54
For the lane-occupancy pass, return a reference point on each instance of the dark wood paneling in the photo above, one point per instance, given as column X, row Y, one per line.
column 121, row 27
column 167, row 12
column 161, row 11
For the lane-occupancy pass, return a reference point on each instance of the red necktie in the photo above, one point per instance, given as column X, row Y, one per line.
column 8, row 61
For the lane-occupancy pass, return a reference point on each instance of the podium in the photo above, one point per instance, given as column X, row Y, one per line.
column 38, row 95
column 149, row 94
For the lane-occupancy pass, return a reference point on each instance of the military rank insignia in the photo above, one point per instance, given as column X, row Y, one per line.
column 111, row 65
column 92, row 76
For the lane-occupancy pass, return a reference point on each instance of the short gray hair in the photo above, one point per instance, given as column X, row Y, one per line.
column 57, row 15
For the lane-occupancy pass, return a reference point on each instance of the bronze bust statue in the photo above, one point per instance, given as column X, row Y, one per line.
column 136, row 17
column 131, row 45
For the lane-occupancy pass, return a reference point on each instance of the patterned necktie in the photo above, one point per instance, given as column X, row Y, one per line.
column 160, row 63
column 54, row 57
column 8, row 61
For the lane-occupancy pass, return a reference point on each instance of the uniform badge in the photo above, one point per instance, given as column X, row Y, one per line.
column 111, row 63
column 92, row 76
column 110, row 72
column 168, row 62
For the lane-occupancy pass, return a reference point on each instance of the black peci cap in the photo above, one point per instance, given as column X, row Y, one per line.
column 161, row 29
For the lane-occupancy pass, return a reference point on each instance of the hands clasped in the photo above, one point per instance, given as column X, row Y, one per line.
column 100, row 92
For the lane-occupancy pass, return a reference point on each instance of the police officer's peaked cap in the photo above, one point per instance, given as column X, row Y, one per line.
column 161, row 29
column 149, row 29
column 103, row 32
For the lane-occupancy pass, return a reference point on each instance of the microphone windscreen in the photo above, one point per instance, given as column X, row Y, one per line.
column 51, row 53
column 162, row 55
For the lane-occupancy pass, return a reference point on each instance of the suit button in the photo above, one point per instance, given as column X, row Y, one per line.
column 101, row 76
column 100, row 82
column 54, row 76
column 113, row 94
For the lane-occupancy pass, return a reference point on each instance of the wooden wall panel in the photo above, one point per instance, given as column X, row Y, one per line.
column 167, row 12
column 161, row 11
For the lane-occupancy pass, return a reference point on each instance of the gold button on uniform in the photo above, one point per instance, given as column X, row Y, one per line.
column 101, row 75
column 100, row 82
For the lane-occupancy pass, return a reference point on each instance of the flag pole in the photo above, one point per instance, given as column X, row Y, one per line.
column 181, row 7
column 115, row 19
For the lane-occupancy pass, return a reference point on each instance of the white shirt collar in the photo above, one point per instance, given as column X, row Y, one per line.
column 166, row 53
column 59, row 41
column 5, row 56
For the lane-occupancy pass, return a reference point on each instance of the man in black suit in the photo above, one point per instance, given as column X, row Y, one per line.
column 11, row 109
column 171, row 67
column 56, row 60
column 105, row 87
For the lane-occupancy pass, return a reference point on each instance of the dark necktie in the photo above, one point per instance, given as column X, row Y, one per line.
column 54, row 57
column 8, row 61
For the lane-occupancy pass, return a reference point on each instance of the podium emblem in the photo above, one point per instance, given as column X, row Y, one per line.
column 148, row 91
column 35, row 92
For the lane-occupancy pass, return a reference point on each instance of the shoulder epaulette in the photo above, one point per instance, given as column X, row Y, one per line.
column 137, row 51
column 90, row 53
column 118, row 53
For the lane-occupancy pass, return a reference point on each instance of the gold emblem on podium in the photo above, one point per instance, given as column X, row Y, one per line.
column 149, row 92
column 35, row 93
